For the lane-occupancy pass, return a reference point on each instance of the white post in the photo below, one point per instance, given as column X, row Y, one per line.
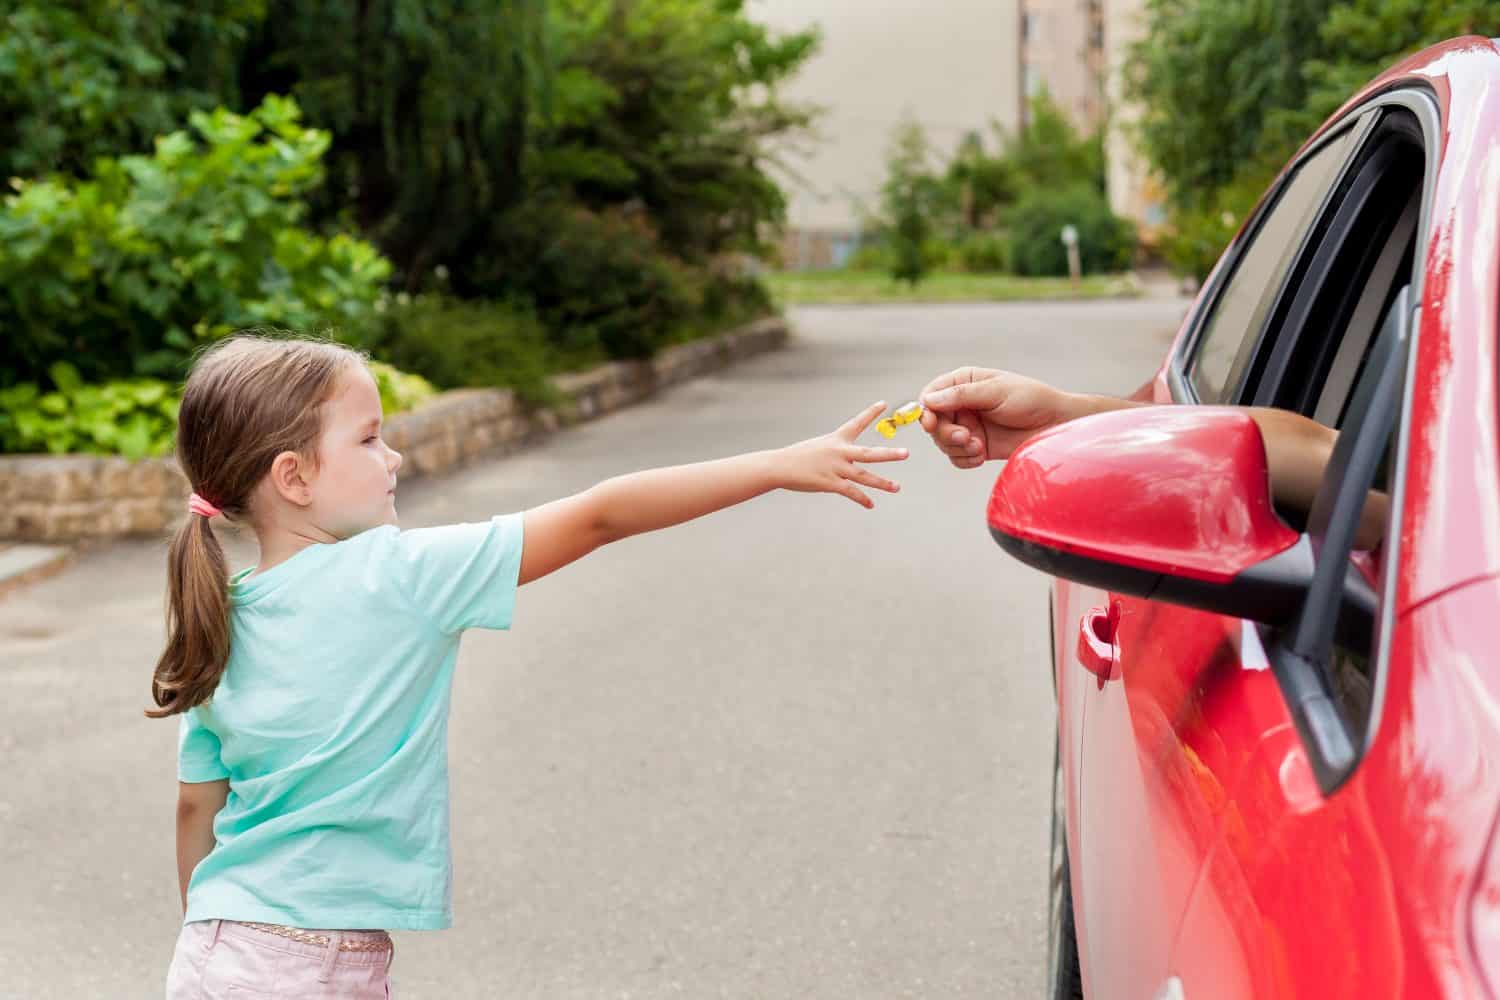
column 1075, row 264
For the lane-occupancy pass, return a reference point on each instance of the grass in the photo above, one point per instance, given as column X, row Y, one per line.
column 875, row 287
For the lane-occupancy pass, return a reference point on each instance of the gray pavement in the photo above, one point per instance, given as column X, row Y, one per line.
column 793, row 750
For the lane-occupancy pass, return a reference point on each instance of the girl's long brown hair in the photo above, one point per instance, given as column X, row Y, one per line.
column 247, row 400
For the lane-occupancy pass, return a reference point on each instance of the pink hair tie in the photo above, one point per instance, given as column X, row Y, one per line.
column 198, row 505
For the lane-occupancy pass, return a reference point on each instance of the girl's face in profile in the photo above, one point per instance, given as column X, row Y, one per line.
column 354, row 488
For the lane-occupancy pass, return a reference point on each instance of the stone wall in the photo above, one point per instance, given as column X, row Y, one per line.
column 62, row 498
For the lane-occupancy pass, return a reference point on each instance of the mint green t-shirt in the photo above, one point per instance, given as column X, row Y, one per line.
column 331, row 724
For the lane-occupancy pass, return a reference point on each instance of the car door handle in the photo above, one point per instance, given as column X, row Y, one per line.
column 1098, row 645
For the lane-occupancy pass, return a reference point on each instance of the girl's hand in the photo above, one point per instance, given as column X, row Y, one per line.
column 829, row 464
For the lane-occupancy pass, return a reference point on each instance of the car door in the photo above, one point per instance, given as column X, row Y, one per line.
column 1297, row 897
column 1180, row 700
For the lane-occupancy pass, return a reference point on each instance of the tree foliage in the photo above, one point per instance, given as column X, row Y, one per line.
column 1231, row 88
column 128, row 270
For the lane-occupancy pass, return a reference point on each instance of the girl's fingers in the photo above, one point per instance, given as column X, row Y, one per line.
column 867, row 478
column 966, row 461
column 856, row 425
column 848, row 489
column 878, row 454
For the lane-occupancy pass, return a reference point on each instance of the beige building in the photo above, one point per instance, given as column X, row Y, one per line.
column 956, row 67
column 948, row 64
column 1077, row 50
column 1062, row 51
column 1133, row 192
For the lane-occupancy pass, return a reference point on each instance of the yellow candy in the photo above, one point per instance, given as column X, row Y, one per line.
column 908, row 414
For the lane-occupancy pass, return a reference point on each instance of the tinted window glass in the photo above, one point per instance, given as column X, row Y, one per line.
column 1241, row 308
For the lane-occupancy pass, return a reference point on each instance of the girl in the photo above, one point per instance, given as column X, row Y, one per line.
column 313, row 689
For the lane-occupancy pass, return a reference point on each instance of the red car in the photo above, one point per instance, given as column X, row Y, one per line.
column 1278, row 763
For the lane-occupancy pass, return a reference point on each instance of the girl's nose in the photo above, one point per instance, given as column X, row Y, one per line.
column 395, row 460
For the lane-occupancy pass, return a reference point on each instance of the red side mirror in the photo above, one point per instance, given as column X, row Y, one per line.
column 1168, row 502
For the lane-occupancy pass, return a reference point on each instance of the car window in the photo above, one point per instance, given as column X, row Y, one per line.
column 1317, row 355
column 1241, row 308
column 1394, row 260
column 1354, row 271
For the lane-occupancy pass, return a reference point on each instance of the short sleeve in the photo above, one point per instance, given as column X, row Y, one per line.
column 464, row 576
column 198, row 751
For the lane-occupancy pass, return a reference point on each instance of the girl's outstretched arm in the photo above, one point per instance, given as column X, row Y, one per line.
column 197, row 805
column 565, row 530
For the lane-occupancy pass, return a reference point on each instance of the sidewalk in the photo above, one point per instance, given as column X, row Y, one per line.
column 23, row 562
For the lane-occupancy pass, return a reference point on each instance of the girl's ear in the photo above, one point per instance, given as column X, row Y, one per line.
column 290, row 477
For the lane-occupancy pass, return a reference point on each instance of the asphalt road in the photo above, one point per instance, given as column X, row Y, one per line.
column 793, row 750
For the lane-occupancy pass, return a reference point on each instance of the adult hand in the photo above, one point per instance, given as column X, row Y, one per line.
column 978, row 414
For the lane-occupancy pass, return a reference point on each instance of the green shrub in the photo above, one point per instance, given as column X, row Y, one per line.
column 874, row 256
column 134, row 418
column 399, row 391
column 600, row 282
column 1105, row 241
column 467, row 344
column 985, row 253
column 128, row 272
column 730, row 300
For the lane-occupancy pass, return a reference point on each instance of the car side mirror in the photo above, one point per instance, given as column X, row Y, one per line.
column 1171, row 503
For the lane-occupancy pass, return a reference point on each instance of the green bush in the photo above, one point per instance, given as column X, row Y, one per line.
column 467, row 344
column 1105, row 241
column 399, row 391
column 127, row 272
column 730, row 300
column 600, row 282
column 985, row 253
column 875, row 256
column 134, row 418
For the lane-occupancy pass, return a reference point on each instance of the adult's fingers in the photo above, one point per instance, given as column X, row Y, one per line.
column 982, row 395
column 973, row 439
column 958, row 376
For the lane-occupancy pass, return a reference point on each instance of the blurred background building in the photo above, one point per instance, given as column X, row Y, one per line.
column 955, row 67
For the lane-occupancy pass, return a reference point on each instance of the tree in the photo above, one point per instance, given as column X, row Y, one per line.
column 670, row 106
column 908, row 199
column 986, row 185
column 1207, row 74
column 430, row 104
column 80, row 79
column 1362, row 38
column 1231, row 88
column 1049, row 153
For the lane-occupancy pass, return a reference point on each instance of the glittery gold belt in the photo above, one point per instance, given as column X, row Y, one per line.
column 366, row 942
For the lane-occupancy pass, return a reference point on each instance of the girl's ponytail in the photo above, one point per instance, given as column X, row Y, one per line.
column 247, row 400
column 197, row 620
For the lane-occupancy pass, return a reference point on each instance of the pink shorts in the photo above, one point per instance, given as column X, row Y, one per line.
column 225, row 960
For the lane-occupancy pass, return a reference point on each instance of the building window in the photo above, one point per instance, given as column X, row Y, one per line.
column 1033, row 81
